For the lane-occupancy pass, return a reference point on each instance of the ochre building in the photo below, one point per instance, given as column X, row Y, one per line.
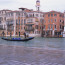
column 53, row 24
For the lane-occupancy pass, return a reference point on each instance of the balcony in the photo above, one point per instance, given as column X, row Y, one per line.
column 55, row 29
column 29, row 29
column 10, row 23
column 11, row 28
column 28, row 24
column 36, row 23
column 1, row 27
column 61, row 29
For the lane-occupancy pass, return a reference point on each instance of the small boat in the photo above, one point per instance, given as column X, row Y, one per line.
column 18, row 39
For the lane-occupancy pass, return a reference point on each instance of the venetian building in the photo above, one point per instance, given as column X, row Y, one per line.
column 15, row 23
column 11, row 18
column 31, row 20
column 24, row 20
column 53, row 24
column 64, row 25
column 3, row 21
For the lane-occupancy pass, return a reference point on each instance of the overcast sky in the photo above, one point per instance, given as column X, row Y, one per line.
column 46, row 5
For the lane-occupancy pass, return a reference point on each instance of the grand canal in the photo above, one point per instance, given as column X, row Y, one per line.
column 39, row 51
column 46, row 43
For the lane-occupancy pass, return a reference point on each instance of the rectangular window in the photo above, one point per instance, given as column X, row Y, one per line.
column 30, row 20
column 48, row 26
column 63, row 21
column 21, row 27
column 51, row 15
column 16, row 21
column 29, row 27
column 37, row 15
column 41, row 15
column 44, row 27
column 51, row 26
column 49, row 20
column 60, row 15
column 33, row 15
column 30, row 15
column 1, row 26
column 1, row 19
column 48, row 15
column 19, row 21
column 36, row 26
column 0, row 12
column 40, row 27
column 55, row 14
column 5, row 18
column 16, row 28
column 55, row 26
column 0, row 22
column 60, row 27
column 44, row 21
column 24, row 21
column 55, row 20
column 41, row 20
column 60, row 20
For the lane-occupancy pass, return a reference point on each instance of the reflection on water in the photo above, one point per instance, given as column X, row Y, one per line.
column 47, row 43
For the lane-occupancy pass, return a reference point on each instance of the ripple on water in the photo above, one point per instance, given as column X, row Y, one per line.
column 18, row 55
column 47, row 43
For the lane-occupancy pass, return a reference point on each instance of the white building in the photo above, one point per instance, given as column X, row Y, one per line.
column 64, row 25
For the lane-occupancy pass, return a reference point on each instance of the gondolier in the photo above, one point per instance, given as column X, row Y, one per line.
column 3, row 33
column 24, row 34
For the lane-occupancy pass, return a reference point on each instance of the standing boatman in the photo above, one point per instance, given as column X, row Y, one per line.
column 24, row 34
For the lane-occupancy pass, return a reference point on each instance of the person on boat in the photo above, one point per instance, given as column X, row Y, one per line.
column 19, row 34
column 24, row 34
column 10, row 34
column 27, row 35
column 3, row 33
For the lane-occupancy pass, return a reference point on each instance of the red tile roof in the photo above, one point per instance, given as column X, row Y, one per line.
column 53, row 12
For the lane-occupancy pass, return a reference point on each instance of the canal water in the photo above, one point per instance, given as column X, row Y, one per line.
column 39, row 51
column 45, row 43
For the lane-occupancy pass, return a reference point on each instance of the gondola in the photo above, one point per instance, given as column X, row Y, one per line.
column 17, row 39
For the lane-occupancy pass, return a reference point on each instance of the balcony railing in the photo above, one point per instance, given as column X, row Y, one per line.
column 29, row 29
column 28, row 24
column 1, row 27
column 10, row 29
column 10, row 23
